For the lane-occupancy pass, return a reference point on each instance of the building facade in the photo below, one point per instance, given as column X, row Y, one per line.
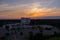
column 22, row 31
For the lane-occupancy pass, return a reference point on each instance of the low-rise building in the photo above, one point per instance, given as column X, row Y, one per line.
column 23, row 31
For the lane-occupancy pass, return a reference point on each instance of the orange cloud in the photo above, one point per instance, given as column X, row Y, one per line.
column 31, row 12
column 39, row 12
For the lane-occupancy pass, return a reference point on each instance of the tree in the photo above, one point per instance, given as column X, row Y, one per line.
column 7, row 27
column 18, row 29
column 30, row 35
column 2, row 38
column 41, row 30
column 21, row 33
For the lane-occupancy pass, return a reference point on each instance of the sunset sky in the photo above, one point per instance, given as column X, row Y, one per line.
column 13, row 9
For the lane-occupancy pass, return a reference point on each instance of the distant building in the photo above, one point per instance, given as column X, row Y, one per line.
column 25, row 21
column 49, row 30
column 21, row 31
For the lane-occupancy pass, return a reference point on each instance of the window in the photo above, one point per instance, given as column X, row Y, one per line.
column 30, row 33
column 47, row 28
column 2, row 38
column 33, row 27
column 1, row 26
column 55, row 33
column 18, row 29
column 7, row 34
column 7, row 27
column 12, row 33
column 13, row 29
column 21, row 33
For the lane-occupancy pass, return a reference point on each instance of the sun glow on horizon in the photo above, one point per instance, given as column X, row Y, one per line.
column 29, row 8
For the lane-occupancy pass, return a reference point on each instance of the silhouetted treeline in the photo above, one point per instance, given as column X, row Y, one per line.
column 53, row 22
column 45, row 21
column 3, row 22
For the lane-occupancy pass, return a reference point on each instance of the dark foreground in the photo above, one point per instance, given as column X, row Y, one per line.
column 53, row 22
